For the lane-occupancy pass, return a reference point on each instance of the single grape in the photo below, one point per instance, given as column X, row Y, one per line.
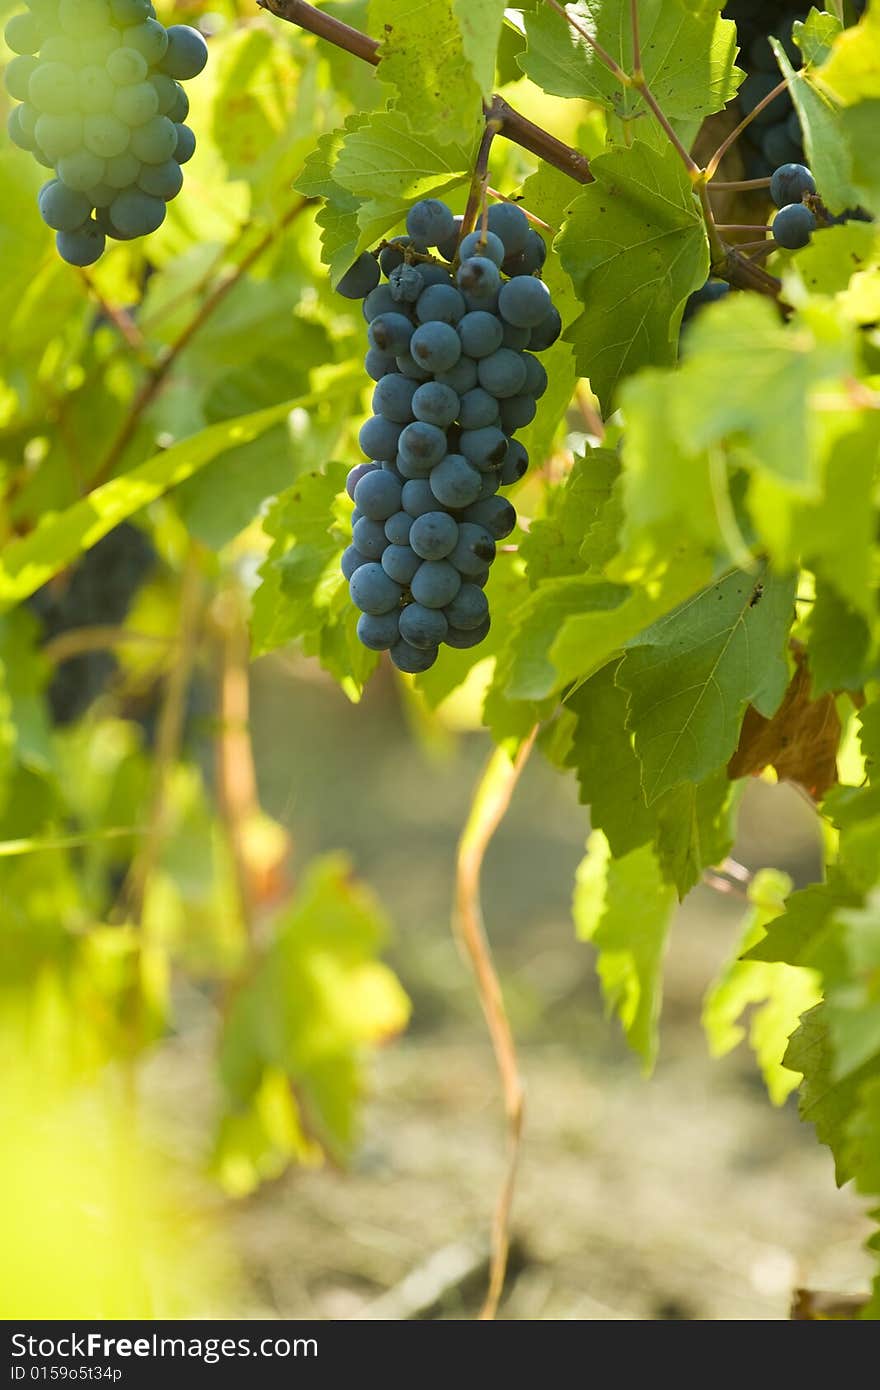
column 398, row 527
column 59, row 49
column 515, row 464
column 400, row 563
column 517, row 412
column 462, row 377
column 511, row 226
column 185, row 147
column 436, row 346
column 480, row 333
column 434, row 535
column 372, row 591
column 155, row 141
column 462, row 639
column 469, row 608
column 778, row 146
column 391, row 256
column 524, row 301
column 61, row 208
column 378, row 364
column 390, row 333
column 435, row 404
column 449, row 245
column 369, row 537
column 408, row 366
column 59, row 135
column 406, row 284
column 126, row 66
column 352, row 559
column 474, row 550
column 23, row 34
column 130, row 11
column 136, row 213
column 81, row 170
column 355, row 474
column 479, row 279
column 757, row 86
column 17, row 79
column 135, row 104
column 474, row 244
column 793, row 226
column 530, row 260
column 430, row 221
column 440, row 304
column 123, row 170
column 477, row 409
column 435, row 583
column 162, row 180
column 360, row 278
column 379, row 301
column 378, row 632
column 81, row 247
column 150, row 39
column 790, row 183
column 455, row 482
column 411, row 660
column 496, row 514
column 503, row 373
column 417, row 497
column 106, row 135
column 536, row 376
column 378, row 495
column 484, row 448
column 515, row 337
column 52, row 87
column 94, row 51
column 186, row 53
column 420, row 447
column 546, row 333
column 82, row 18
column 393, row 398
column 422, row 627
column 179, row 110
column 378, row 438
column 18, row 132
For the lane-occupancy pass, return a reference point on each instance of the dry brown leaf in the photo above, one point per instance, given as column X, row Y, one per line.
column 800, row 741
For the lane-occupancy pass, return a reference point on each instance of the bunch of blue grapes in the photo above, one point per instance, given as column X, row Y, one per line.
column 98, row 82
column 452, row 342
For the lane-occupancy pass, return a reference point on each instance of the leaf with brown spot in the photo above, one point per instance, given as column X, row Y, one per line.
column 800, row 741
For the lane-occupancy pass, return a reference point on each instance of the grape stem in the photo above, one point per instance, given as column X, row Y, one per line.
column 120, row 318
column 157, row 375
column 514, row 126
column 737, row 185
column 741, row 227
column 490, row 803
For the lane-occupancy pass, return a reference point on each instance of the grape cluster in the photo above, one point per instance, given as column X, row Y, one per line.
column 102, row 105
column 451, row 349
column 96, row 592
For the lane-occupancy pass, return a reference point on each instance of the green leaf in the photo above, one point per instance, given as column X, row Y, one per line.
column 480, row 24
column 303, row 593
column 688, row 58
column 804, row 934
column 694, row 829
column 692, row 673
column 387, row 165
column 422, row 55
column 635, row 247
column 624, row 907
column 853, row 1005
column 782, row 992
column 827, row 148
column 527, row 670
column 317, row 997
column 853, row 68
column 826, row 1102
column 815, row 35
column 838, row 644
column 563, row 541
column 27, row 564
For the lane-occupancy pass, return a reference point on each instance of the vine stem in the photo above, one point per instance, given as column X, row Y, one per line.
column 120, row 318
column 490, row 803
column 157, row 375
column 734, row 135
column 514, row 126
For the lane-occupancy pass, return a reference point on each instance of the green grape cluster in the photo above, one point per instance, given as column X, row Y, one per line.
column 100, row 103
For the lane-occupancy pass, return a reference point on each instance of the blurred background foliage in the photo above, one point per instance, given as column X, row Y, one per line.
column 193, row 978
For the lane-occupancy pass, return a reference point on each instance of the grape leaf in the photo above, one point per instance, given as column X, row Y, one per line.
column 480, row 24
column 556, row 542
column 782, row 992
column 804, row 934
column 422, row 54
column 853, row 1001
column 303, row 593
column 800, row 740
column 691, row 674
column 635, row 247
column 624, row 907
column 526, row 670
column 815, row 35
column 694, row 829
column 839, row 641
column 828, row 150
column 853, row 67
column 687, row 58
column 826, row 1102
